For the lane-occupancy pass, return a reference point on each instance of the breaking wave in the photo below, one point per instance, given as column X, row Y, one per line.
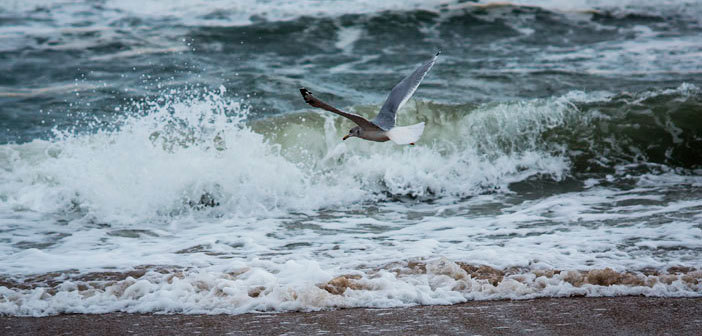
column 172, row 155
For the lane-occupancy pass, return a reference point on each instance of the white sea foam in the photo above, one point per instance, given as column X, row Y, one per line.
column 347, row 37
column 304, row 285
column 159, row 163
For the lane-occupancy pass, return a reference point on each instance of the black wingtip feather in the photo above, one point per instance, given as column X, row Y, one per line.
column 305, row 93
column 307, row 96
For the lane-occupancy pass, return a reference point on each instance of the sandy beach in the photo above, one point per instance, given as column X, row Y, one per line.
column 551, row 316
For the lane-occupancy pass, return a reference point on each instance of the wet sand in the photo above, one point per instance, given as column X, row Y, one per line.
column 551, row 316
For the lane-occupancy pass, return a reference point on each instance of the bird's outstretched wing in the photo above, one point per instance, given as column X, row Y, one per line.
column 400, row 94
column 360, row 121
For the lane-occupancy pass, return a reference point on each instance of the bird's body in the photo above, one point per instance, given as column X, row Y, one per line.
column 383, row 128
column 374, row 135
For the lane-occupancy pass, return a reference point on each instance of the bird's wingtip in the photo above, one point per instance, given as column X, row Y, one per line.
column 307, row 96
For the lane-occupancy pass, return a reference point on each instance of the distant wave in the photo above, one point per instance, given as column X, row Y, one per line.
column 238, row 13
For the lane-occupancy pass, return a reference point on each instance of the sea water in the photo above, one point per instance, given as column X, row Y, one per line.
column 157, row 157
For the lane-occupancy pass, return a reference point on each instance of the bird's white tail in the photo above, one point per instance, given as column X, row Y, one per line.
column 407, row 134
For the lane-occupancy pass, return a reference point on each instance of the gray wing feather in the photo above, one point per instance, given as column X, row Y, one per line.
column 399, row 95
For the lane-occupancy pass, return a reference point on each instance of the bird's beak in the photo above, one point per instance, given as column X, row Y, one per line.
column 346, row 136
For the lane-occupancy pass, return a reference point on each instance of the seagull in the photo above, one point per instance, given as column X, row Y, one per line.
column 383, row 128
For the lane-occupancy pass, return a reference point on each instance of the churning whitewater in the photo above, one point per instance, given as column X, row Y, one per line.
column 176, row 169
column 186, row 208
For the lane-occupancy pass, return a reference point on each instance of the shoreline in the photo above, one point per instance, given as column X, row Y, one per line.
column 626, row 315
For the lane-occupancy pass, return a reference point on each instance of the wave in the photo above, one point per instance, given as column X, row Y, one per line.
column 304, row 285
column 174, row 154
column 285, row 9
column 234, row 210
column 251, row 12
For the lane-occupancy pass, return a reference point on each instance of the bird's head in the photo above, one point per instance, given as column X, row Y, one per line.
column 354, row 132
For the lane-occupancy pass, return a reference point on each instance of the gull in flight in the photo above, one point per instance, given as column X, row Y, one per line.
column 383, row 128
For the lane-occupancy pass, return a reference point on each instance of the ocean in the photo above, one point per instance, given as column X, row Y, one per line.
column 157, row 157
